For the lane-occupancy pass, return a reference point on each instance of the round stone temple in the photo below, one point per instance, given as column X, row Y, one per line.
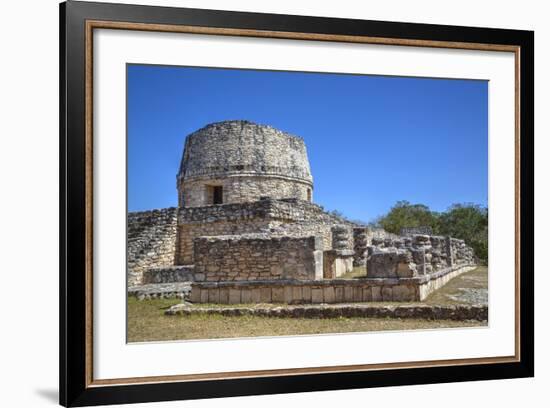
column 240, row 161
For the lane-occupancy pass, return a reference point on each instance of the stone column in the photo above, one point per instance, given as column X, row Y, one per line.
column 360, row 243
column 449, row 251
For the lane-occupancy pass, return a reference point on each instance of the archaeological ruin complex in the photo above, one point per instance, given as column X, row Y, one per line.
column 246, row 230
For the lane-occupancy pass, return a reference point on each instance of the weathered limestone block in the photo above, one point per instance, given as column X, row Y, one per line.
column 367, row 294
column 317, row 295
column 357, row 294
column 288, row 295
column 348, row 294
column 360, row 243
column 337, row 263
column 255, row 295
column 329, row 294
column 387, row 293
column 376, row 294
column 265, row 295
column 306, row 294
column 234, row 296
column 338, row 294
column 224, row 295
column 277, row 295
column 402, row 293
column 195, row 296
column 340, row 237
column 390, row 263
column 406, row 268
column 213, row 295
column 297, row 294
column 246, row 295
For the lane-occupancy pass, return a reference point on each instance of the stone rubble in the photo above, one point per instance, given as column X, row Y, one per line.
column 325, row 311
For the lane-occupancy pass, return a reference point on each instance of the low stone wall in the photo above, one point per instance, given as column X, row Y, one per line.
column 169, row 274
column 151, row 241
column 429, row 312
column 252, row 257
column 323, row 291
column 441, row 278
column 180, row 290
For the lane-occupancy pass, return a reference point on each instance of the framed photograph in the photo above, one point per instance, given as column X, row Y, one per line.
column 256, row 204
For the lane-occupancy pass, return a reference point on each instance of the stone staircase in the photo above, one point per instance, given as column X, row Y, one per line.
column 151, row 241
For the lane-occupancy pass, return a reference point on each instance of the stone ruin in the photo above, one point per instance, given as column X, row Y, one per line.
column 416, row 255
column 246, row 230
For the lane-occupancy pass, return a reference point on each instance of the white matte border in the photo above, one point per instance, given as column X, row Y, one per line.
column 113, row 358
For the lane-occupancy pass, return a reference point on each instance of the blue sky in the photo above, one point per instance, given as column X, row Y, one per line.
column 371, row 140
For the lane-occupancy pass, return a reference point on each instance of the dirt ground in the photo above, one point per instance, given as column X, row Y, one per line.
column 468, row 288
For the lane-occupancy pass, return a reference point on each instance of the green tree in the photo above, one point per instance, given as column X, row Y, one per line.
column 464, row 221
column 406, row 215
column 468, row 222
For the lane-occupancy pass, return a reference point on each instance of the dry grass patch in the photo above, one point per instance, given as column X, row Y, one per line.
column 147, row 322
column 468, row 288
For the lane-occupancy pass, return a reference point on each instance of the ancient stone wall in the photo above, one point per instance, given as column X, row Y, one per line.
column 379, row 233
column 415, row 255
column 251, row 257
column 362, row 239
column 168, row 274
column 280, row 218
column 187, row 233
column 338, row 311
column 241, row 189
column 247, row 159
column 151, row 241
column 323, row 291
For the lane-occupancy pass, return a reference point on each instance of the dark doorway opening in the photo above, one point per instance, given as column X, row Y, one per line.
column 217, row 195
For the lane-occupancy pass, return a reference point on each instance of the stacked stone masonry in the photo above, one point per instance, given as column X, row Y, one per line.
column 253, row 257
column 169, row 274
column 349, row 310
column 151, row 241
column 247, row 160
column 323, row 291
column 415, row 255
column 278, row 217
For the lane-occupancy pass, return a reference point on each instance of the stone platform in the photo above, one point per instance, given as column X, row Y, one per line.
column 324, row 291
